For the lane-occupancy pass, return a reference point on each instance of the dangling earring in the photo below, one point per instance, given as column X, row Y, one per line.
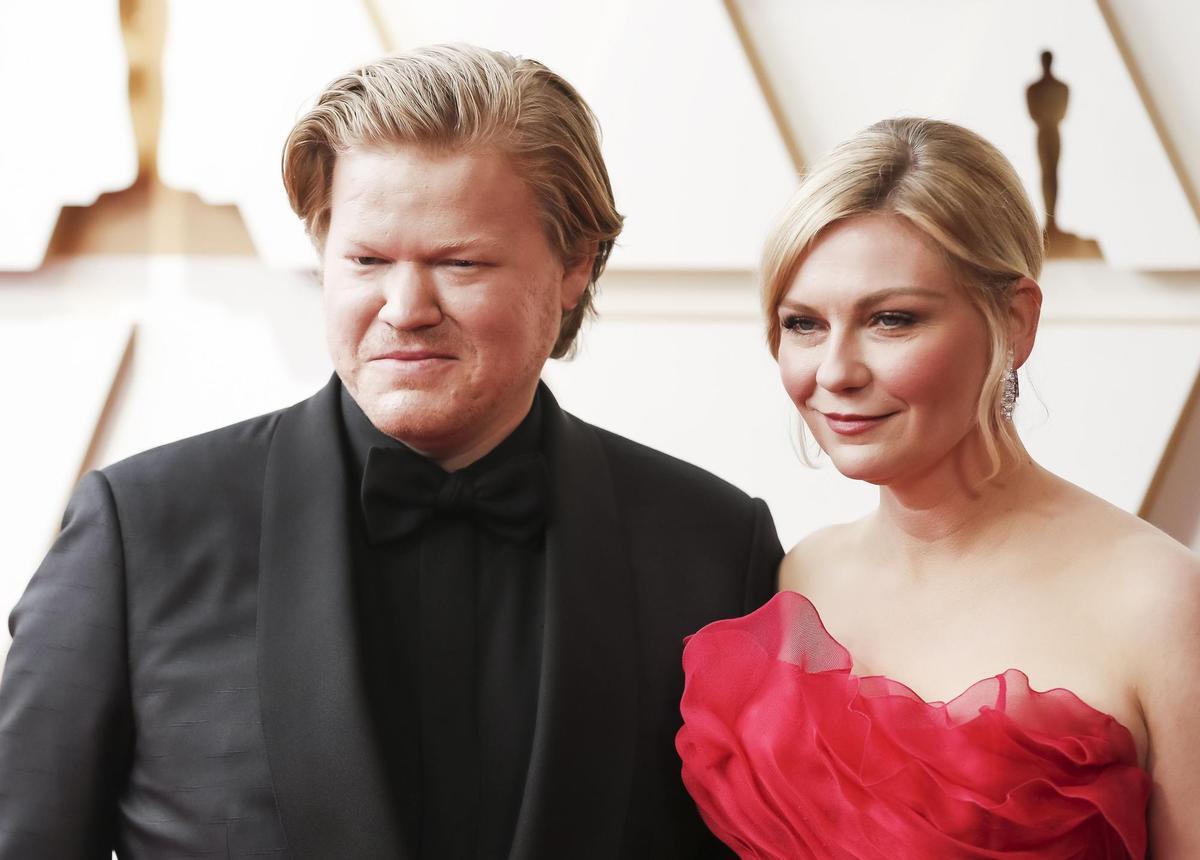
column 1011, row 390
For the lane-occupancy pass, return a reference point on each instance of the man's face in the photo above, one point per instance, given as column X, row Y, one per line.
column 443, row 296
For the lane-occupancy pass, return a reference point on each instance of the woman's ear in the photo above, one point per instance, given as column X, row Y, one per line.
column 1025, row 311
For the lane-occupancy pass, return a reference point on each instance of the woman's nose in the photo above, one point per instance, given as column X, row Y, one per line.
column 842, row 366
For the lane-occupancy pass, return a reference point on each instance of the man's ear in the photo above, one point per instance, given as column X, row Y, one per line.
column 577, row 272
column 1024, row 313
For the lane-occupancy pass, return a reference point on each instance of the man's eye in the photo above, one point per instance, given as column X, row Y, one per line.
column 366, row 261
column 799, row 324
column 461, row 264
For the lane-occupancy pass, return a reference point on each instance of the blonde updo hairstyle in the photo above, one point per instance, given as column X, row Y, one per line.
column 463, row 98
column 955, row 188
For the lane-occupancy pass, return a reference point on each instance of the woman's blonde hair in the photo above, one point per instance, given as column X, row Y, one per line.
column 954, row 187
column 461, row 97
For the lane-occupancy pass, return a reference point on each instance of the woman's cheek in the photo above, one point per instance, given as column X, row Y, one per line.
column 798, row 374
column 933, row 370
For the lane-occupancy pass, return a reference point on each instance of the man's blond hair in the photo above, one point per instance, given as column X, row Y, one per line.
column 457, row 98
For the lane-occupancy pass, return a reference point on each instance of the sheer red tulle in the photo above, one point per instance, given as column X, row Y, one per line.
column 789, row 755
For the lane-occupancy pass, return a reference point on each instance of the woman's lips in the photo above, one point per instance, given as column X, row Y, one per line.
column 851, row 425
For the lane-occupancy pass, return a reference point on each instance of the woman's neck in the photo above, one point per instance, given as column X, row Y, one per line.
column 956, row 508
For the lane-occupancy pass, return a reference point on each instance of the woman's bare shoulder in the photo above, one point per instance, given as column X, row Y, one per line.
column 819, row 554
column 1132, row 549
column 1157, row 580
column 1145, row 580
column 1137, row 591
column 1157, row 593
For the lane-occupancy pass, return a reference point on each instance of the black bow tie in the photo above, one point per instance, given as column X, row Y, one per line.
column 401, row 491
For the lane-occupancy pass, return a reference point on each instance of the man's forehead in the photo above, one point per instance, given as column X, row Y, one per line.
column 448, row 200
column 375, row 171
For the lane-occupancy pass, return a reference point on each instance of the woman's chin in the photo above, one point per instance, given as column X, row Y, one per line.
column 868, row 470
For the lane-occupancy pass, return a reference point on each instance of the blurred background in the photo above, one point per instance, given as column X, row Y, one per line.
column 154, row 283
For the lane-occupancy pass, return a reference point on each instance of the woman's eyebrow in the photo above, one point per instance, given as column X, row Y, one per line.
column 873, row 298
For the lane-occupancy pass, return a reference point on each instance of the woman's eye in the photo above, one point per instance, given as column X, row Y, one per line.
column 893, row 319
column 800, row 325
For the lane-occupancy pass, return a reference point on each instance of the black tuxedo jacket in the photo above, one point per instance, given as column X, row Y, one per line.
column 184, row 678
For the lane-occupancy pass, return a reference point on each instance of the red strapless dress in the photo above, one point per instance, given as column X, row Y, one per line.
column 789, row 755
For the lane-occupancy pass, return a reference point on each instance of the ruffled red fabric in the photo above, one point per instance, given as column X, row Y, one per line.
column 789, row 755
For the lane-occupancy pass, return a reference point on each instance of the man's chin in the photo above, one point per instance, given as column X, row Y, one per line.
column 409, row 414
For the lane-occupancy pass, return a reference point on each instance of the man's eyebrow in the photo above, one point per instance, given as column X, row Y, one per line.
column 356, row 244
column 877, row 297
column 449, row 246
column 467, row 242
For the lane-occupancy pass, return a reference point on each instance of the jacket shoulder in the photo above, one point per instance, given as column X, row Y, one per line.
column 210, row 477
column 654, row 475
column 690, row 533
column 197, row 458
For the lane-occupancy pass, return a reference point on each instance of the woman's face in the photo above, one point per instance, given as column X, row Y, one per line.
column 881, row 350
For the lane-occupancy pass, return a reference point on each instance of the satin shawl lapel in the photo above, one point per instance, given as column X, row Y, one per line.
column 328, row 781
column 577, row 789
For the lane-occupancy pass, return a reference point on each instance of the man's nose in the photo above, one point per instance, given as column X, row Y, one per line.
column 842, row 367
column 411, row 298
